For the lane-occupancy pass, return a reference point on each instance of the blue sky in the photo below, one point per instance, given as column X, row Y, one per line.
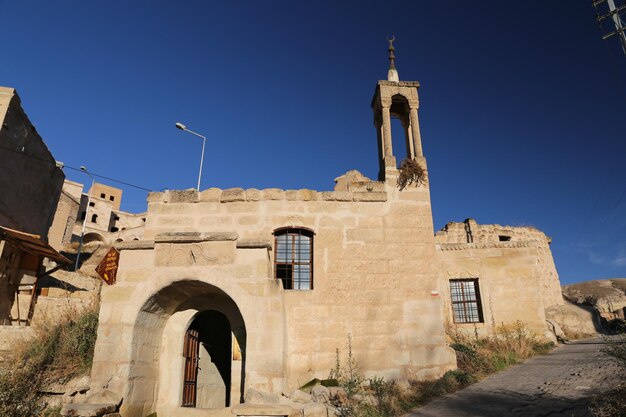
column 521, row 111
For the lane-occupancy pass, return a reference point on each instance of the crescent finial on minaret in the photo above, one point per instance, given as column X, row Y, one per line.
column 392, row 74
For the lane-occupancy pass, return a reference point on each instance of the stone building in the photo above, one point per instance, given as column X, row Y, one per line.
column 30, row 181
column 30, row 185
column 496, row 274
column 105, row 222
column 260, row 287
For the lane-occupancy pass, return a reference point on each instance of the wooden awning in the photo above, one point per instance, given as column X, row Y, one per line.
column 32, row 244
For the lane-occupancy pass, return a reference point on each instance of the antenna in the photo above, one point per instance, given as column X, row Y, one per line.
column 610, row 14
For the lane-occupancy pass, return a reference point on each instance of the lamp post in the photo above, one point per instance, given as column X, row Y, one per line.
column 82, row 232
column 184, row 128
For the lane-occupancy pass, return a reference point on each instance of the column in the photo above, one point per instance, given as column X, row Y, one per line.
column 408, row 137
column 387, row 133
column 415, row 130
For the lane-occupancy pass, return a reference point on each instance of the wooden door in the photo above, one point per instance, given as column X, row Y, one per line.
column 190, row 352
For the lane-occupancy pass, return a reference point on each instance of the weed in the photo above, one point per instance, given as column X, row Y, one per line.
column 410, row 172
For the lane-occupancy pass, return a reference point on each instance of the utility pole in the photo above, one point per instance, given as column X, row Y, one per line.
column 611, row 13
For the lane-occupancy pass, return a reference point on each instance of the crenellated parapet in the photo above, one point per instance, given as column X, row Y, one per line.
column 230, row 195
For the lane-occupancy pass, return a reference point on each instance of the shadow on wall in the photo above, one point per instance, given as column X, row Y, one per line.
column 51, row 282
column 84, row 256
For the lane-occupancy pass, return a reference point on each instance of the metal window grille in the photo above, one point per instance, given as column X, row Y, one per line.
column 465, row 296
column 293, row 260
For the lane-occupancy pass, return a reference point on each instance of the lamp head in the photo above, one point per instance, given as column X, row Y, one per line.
column 180, row 126
column 83, row 168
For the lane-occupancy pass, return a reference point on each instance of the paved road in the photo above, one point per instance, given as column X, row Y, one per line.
column 556, row 385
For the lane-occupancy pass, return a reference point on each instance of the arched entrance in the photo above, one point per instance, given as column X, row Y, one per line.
column 92, row 237
column 159, row 363
column 208, row 352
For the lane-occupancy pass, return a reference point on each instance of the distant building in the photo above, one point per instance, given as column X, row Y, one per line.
column 104, row 221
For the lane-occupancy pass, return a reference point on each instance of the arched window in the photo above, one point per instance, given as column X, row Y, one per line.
column 293, row 258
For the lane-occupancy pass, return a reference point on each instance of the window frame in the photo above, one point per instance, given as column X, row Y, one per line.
column 294, row 231
column 466, row 302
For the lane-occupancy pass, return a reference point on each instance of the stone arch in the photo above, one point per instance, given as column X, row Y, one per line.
column 156, row 361
column 400, row 110
column 93, row 237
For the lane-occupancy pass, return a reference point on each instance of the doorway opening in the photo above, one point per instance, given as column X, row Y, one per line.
column 208, row 353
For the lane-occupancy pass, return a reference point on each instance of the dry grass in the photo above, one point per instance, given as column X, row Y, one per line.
column 476, row 358
column 510, row 344
column 59, row 351
column 18, row 393
column 63, row 349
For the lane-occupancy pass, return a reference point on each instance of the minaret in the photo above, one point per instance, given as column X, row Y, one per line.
column 398, row 99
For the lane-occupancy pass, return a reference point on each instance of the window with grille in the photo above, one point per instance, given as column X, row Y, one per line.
column 465, row 296
column 293, row 260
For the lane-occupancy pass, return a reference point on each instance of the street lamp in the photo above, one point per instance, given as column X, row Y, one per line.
column 82, row 232
column 184, row 128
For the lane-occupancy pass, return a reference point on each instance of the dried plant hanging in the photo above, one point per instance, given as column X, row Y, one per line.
column 410, row 172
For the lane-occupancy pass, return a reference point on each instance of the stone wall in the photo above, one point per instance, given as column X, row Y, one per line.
column 375, row 270
column 30, row 182
column 60, row 233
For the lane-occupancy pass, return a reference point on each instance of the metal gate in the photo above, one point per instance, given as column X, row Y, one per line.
column 190, row 352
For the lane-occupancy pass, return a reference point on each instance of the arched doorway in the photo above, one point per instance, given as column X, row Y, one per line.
column 158, row 361
column 208, row 352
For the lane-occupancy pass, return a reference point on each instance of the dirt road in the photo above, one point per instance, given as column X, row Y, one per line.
column 557, row 385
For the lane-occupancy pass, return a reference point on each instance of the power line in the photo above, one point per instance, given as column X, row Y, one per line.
column 74, row 168
column 110, row 179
